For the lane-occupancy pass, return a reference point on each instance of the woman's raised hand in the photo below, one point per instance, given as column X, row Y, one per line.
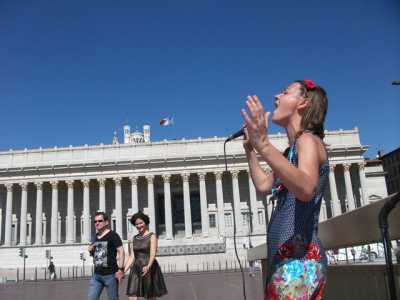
column 256, row 122
column 246, row 143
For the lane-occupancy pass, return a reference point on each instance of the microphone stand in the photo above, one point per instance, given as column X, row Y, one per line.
column 384, row 226
column 233, row 136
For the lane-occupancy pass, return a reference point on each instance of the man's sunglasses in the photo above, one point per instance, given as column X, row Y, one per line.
column 98, row 221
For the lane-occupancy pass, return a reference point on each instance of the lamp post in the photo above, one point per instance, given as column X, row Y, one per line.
column 22, row 253
column 83, row 259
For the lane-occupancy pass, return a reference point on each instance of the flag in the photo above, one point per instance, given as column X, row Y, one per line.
column 166, row 121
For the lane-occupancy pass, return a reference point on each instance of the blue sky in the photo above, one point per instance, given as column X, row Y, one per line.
column 72, row 72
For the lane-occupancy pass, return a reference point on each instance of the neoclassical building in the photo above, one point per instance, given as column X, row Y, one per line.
column 48, row 197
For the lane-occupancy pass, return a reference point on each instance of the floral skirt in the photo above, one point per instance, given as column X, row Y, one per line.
column 297, row 280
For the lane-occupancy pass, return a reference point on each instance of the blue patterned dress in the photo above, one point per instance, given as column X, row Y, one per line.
column 296, row 258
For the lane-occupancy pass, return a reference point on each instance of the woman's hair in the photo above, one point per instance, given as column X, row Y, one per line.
column 314, row 115
column 141, row 216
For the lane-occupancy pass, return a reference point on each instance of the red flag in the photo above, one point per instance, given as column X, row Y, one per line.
column 166, row 121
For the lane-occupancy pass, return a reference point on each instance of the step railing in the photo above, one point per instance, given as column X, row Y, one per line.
column 77, row 272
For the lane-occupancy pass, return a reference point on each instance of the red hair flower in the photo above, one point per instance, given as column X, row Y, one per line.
column 310, row 85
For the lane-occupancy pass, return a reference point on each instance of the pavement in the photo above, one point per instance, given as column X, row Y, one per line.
column 223, row 285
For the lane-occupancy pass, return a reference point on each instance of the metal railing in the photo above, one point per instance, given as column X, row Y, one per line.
column 78, row 271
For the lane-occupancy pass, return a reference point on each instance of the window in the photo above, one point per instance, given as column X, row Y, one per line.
column 228, row 219
column 260, row 217
column 211, row 218
column 245, row 217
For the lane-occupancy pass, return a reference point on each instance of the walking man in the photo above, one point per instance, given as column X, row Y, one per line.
column 52, row 270
column 108, row 259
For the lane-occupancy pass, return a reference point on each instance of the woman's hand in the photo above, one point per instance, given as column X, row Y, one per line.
column 145, row 270
column 256, row 123
column 246, row 143
column 119, row 275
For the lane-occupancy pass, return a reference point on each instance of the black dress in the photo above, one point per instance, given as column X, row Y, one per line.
column 150, row 285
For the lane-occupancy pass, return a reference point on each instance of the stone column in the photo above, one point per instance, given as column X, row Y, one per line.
column 167, row 207
column 236, row 198
column 118, row 206
column 349, row 189
column 24, row 199
column 134, row 197
column 269, row 208
column 335, row 202
column 39, row 214
column 102, row 194
column 186, row 205
column 220, row 203
column 7, row 227
column 54, row 212
column 150, row 202
column 364, row 189
column 322, row 214
column 203, row 205
column 70, row 213
column 86, row 211
column 253, row 204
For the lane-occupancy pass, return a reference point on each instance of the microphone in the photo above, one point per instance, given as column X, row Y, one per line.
column 235, row 135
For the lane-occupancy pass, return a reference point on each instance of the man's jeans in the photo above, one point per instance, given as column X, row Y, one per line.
column 98, row 282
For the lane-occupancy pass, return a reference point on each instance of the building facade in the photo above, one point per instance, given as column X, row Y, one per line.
column 48, row 197
column 391, row 165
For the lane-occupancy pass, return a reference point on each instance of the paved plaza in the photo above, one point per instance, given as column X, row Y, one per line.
column 182, row 286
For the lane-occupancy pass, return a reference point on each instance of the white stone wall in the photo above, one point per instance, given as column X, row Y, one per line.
column 126, row 163
column 376, row 181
